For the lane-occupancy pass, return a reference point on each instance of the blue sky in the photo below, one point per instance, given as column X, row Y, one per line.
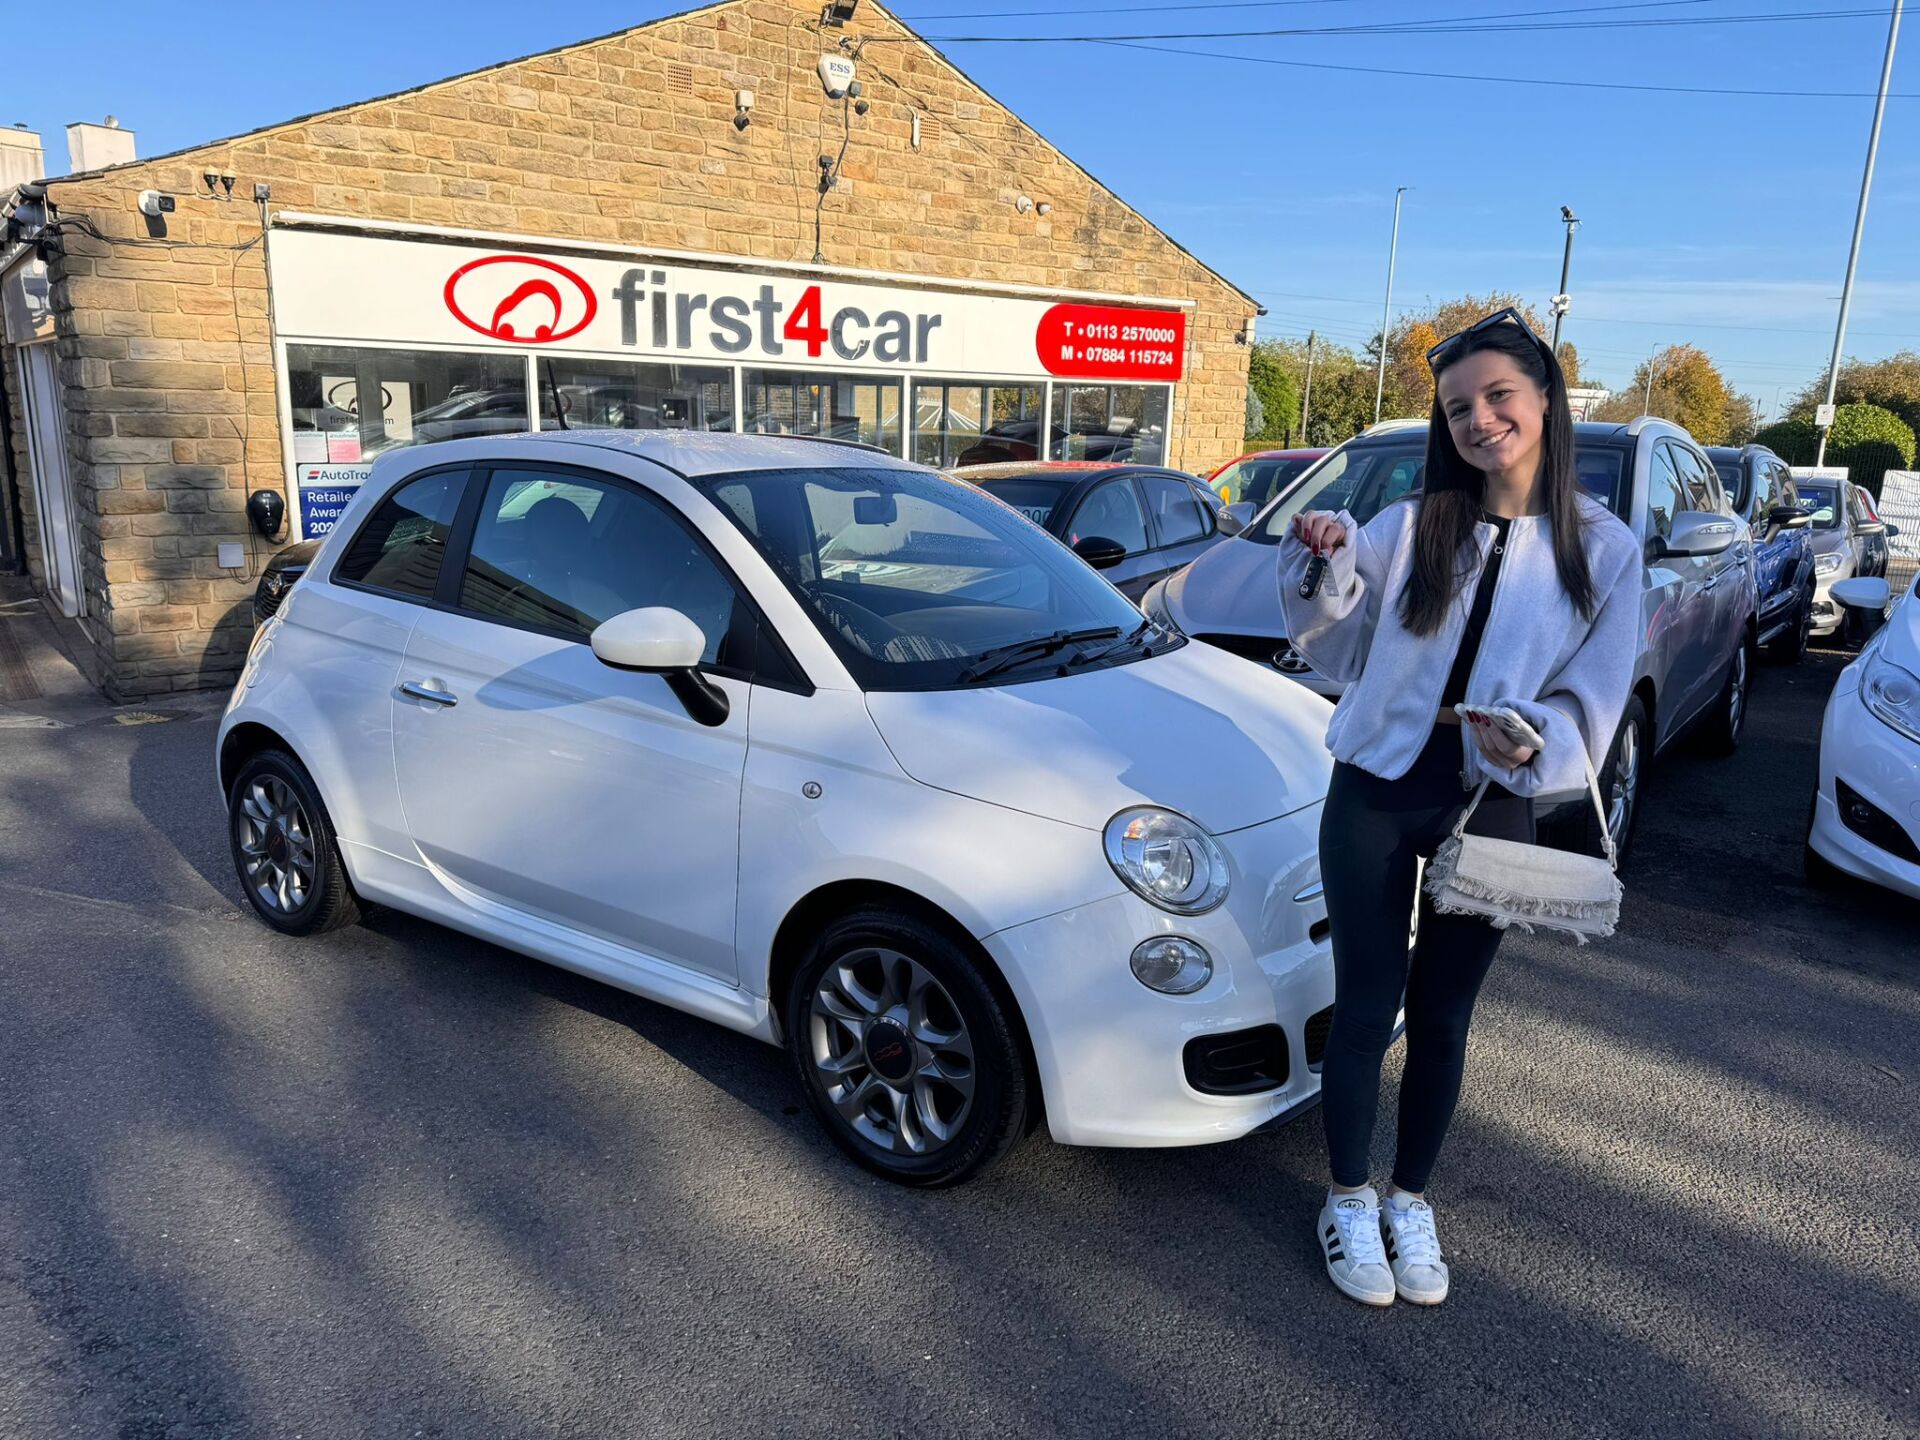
column 1713, row 219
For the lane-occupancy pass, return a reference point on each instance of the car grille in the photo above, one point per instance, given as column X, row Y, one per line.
column 1267, row 650
column 1238, row 1062
column 1319, row 1025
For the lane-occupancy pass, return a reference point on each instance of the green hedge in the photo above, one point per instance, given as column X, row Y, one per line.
column 1794, row 441
column 1857, row 425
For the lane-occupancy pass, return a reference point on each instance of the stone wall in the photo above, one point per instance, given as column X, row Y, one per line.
column 165, row 343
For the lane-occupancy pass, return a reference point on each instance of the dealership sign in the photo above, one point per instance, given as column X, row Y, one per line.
column 349, row 288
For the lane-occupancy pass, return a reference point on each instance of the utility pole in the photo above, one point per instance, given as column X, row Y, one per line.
column 1824, row 416
column 1563, row 302
column 1386, row 310
column 1306, row 401
column 1647, row 407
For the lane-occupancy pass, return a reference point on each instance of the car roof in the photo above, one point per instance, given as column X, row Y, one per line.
column 1591, row 432
column 696, row 454
column 1297, row 454
column 1041, row 469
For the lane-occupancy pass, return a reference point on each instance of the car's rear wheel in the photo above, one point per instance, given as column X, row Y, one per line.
column 907, row 1055
column 1721, row 733
column 1621, row 779
column 284, row 849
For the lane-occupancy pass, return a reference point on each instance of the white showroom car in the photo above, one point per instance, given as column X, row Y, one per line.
column 937, row 811
column 1866, row 810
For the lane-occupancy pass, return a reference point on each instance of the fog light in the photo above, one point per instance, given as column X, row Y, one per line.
column 1171, row 965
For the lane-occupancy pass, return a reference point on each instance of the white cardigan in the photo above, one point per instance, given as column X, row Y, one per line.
column 1569, row 677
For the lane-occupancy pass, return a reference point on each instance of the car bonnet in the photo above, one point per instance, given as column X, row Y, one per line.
column 1194, row 730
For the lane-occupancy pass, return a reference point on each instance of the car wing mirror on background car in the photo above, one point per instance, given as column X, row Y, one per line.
column 1100, row 552
column 1863, row 602
column 1789, row 517
column 659, row 641
column 1236, row 517
column 1870, row 527
column 1698, row 532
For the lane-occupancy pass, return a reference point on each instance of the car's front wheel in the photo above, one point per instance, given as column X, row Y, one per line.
column 284, row 849
column 1620, row 781
column 907, row 1055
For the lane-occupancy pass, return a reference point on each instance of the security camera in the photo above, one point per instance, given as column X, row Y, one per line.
column 826, row 162
column 152, row 202
column 212, row 179
column 860, row 107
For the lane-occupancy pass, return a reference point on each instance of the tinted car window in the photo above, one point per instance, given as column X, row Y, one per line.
column 1701, row 485
column 1112, row 510
column 563, row 552
column 1176, row 510
column 1256, row 480
column 1033, row 497
column 1665, row 498
column 400, row 547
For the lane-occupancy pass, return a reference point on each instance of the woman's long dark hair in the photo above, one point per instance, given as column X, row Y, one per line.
column 1454, row 491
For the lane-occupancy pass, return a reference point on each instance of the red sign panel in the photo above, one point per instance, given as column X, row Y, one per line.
column 520, row 298
column 1109, row 342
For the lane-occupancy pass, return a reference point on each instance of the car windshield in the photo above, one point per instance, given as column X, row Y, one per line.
column 1034, row 496
column 922, row 582
column 1365, row 479
column 1824, row 502
column 1257, row 478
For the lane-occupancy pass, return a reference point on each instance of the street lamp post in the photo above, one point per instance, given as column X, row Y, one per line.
column 1386, row 310
column 1562, row 302
column 1824, row 416
column 1647, row 407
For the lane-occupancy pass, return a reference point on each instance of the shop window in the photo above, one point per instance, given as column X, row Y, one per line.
column 1118, row 423
column 581, row 394
column 958, row 422
column 351, row 403
column 863, row 408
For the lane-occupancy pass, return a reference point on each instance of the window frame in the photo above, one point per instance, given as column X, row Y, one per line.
column 1090, row 489
column 334, row 577
column 752, row 632
column 1208, row 527
column 1663, row 446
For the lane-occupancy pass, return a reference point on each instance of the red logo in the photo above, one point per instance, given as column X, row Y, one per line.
column 1108, row 342
column 520, row 298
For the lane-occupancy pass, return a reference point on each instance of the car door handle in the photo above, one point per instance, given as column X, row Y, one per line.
column 415, row 690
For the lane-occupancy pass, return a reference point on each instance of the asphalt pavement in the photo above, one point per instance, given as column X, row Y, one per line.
column 399, row 1183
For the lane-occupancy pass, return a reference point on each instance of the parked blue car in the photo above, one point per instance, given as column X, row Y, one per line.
column 1761, row 492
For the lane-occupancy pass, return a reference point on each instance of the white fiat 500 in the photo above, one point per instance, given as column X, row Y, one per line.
column 819, row 745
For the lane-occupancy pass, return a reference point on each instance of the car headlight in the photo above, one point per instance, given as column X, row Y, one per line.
column 1828, row 563
column 1892, row 693
column 1167, row 859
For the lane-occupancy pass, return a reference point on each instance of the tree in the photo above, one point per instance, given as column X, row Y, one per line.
column 1892, row 384
column 1270, row 388
column 1409, row 383
column 1570, row 366
column 1689, row 390
column 1794, row 441
column 1342, row 402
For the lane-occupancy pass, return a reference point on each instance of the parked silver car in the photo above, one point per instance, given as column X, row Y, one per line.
column 1696, row 656
column 1849, row 539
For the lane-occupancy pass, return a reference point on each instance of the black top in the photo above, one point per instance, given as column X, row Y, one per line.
column 1456, row 690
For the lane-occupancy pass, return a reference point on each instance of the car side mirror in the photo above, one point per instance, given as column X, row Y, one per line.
column 1698, row 532
column 1863, row 603
column 1240, row 514
column 1789, row 517
column 1871, row 527
column 659, row 641
column 1892, row 530
column 1099, row 552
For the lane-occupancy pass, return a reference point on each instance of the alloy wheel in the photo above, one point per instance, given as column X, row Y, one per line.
column 891, row 1051
column 1625, row 790
column 275, row 841
column 1737, row 694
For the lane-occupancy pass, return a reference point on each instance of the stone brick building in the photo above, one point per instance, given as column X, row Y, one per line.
column 611, row 233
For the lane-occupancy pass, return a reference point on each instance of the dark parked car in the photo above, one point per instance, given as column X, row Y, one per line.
column 287, row 565
column 1135, row 523
column 1761, row 492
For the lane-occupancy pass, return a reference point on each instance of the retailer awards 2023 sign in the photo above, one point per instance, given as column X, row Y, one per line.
column 343, row 289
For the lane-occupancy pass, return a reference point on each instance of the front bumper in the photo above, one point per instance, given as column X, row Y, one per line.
column 1110, row 1052
column 1826, row 612
column 1883, row 768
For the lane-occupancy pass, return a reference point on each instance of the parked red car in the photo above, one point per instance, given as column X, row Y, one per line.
column 1255, row 476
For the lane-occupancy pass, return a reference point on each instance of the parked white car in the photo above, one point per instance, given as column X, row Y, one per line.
column 1866, row 809
column 948, row 819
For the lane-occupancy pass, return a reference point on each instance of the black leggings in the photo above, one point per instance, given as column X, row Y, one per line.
column 1370, row 833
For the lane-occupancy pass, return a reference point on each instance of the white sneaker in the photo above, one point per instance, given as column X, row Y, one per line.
column 1350, row 1240
column 1413, row 1247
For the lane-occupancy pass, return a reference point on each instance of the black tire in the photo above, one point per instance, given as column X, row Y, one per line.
column 1721, row 731
column 992, row 1119
column 1637, row 752
column 1790, row 644
column 267, row 785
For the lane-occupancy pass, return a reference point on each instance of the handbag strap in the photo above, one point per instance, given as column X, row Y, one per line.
column 1593, row 789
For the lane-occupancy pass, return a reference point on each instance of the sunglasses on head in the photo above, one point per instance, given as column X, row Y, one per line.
column 1508, row 316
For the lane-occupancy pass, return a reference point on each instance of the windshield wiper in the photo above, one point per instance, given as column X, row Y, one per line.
column 1004, row 657
column 1143, row 633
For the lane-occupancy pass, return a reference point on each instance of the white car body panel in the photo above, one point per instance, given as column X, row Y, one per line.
column 1877, row 762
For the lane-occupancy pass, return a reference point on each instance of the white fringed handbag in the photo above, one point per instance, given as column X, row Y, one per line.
column 1511, row 883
